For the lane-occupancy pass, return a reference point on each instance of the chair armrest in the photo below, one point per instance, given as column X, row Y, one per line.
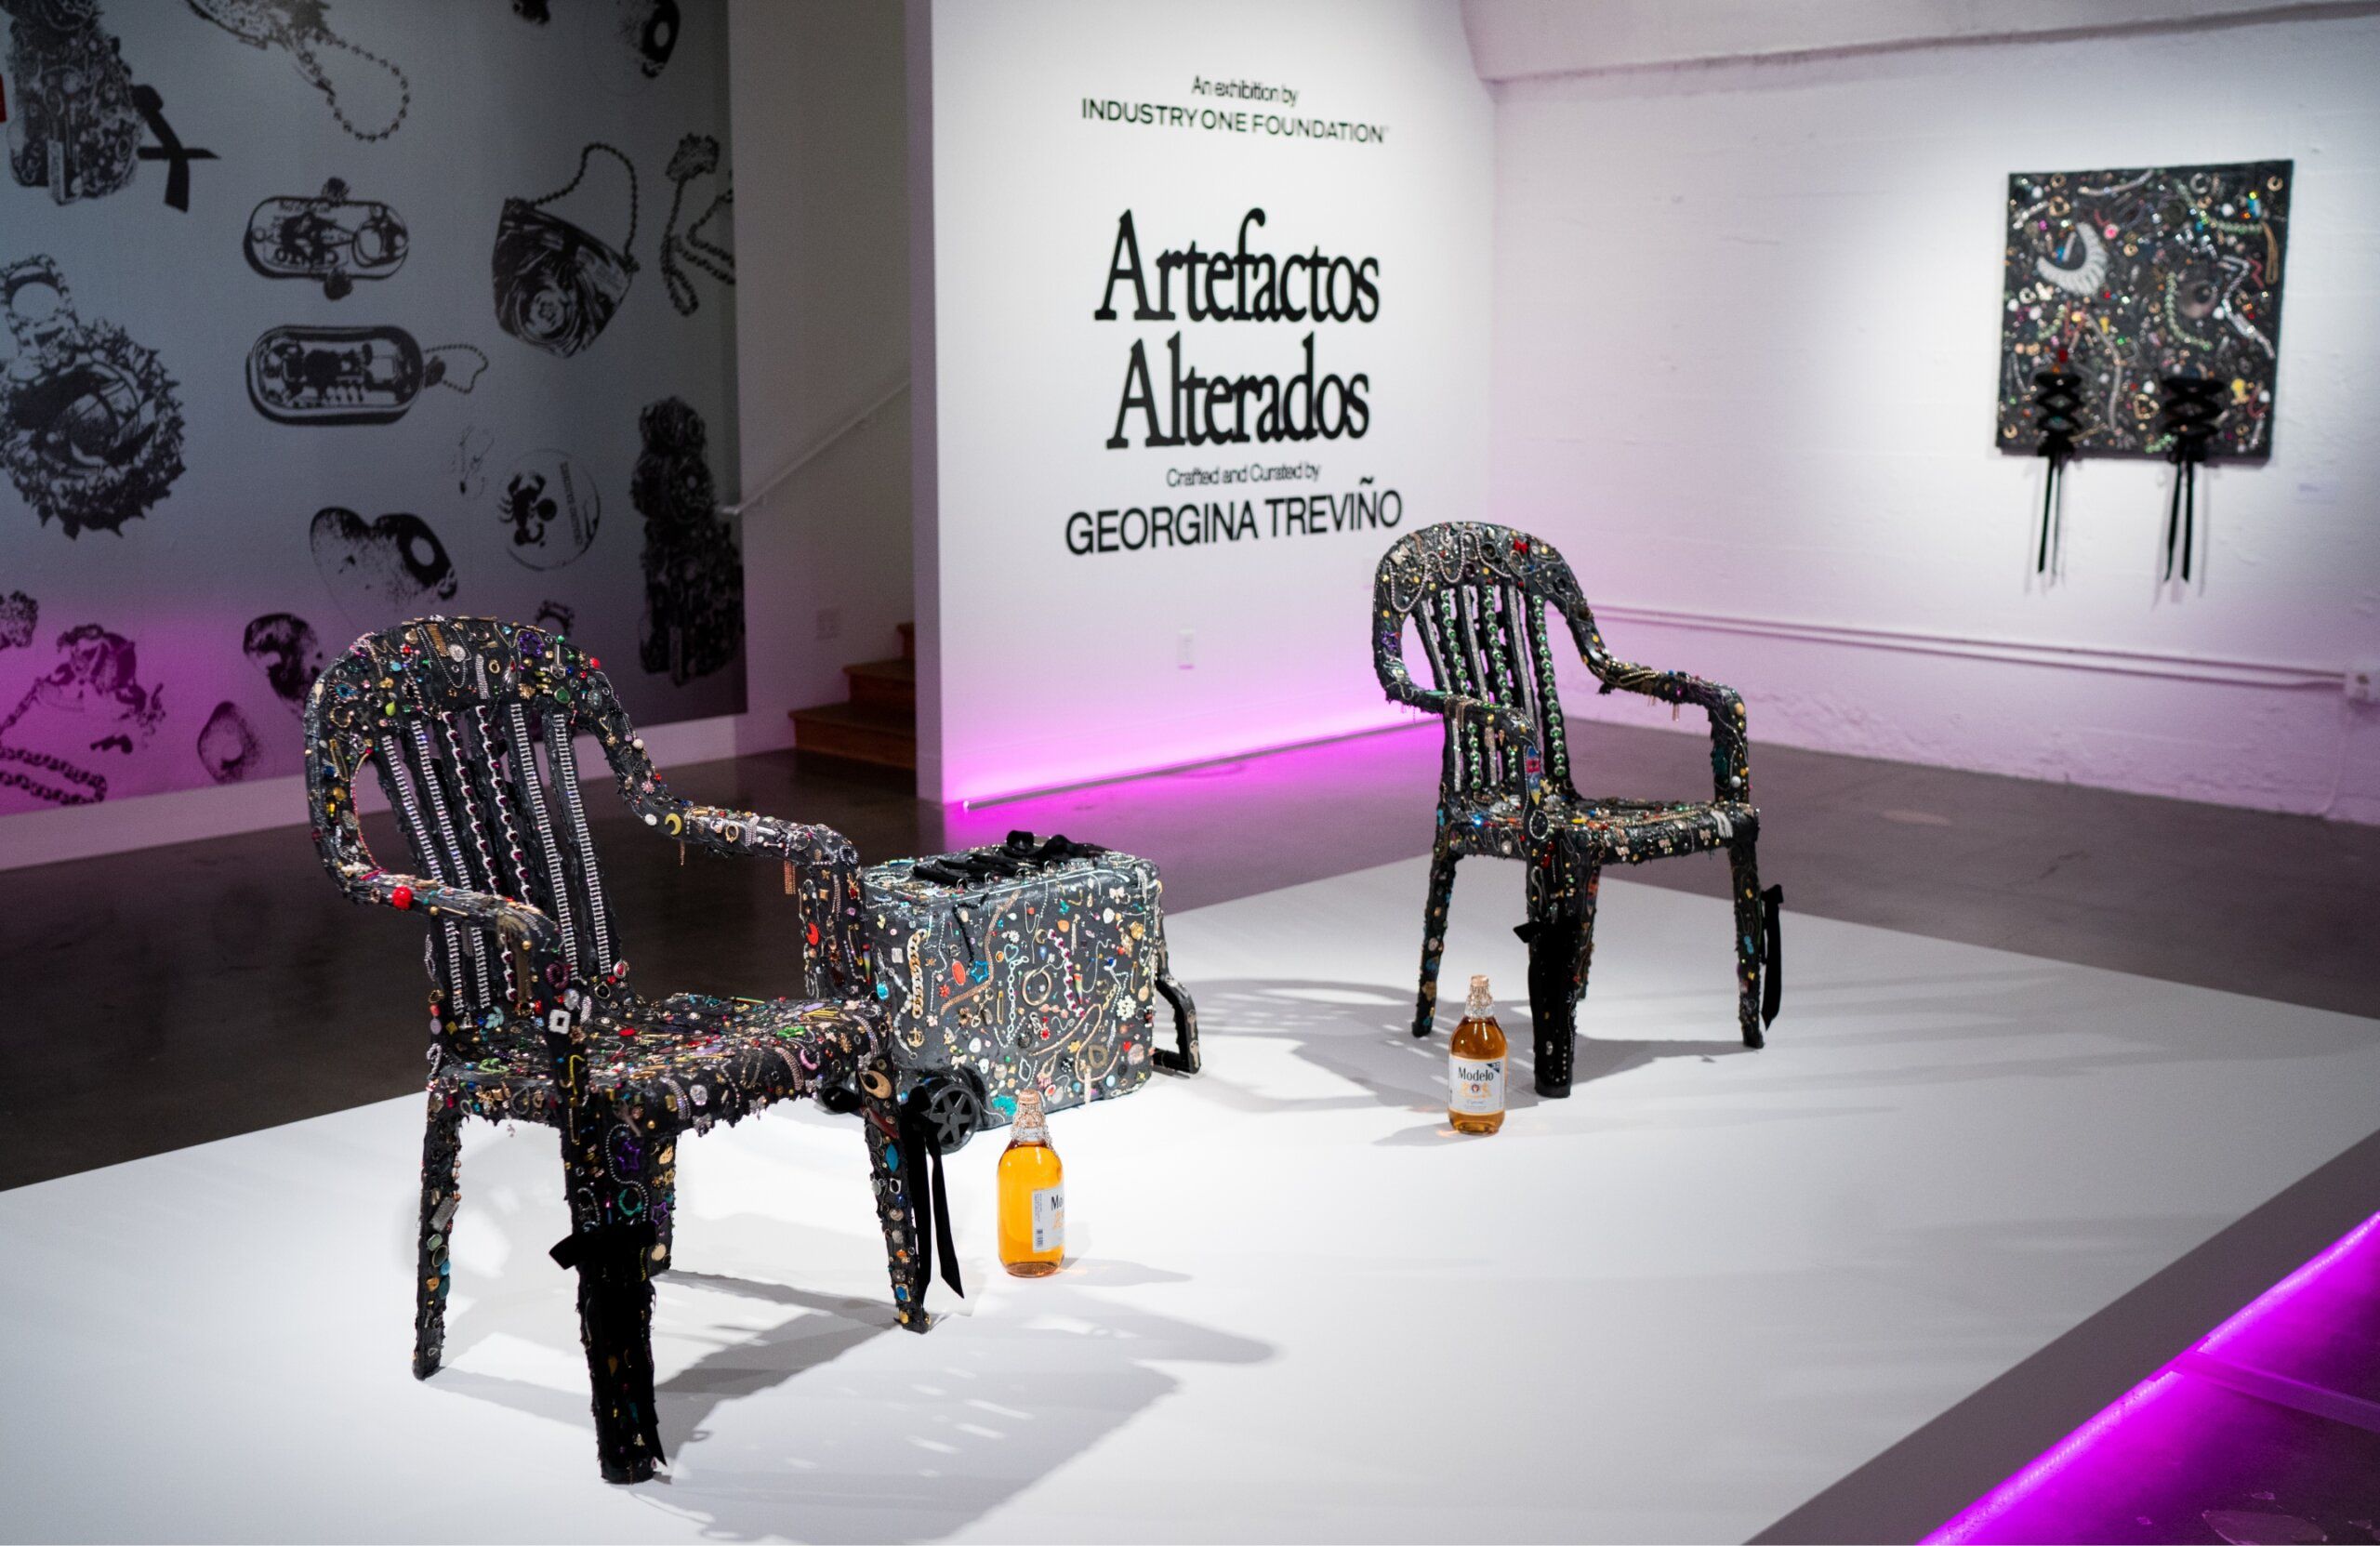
column 1396, row 682
column 514, row 922
column 1730, row 757
column 821, row 872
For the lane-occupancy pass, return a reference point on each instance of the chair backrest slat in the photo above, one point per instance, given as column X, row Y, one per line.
column 441, row 799
column 554, row 895
column 1477, row 596
column 478, row 754
column 564, row 757
column 398, row 781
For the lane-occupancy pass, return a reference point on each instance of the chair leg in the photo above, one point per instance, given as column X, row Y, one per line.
column 1588, row 893
column 1746, row 881
column 1561, row 935
column 442, row 1179
column 900, row 1190
column 1433, row 929
column 612, row 1249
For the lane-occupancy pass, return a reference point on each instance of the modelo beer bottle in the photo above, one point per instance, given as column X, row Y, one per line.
column 1475, row 1065
column 1032, row 1194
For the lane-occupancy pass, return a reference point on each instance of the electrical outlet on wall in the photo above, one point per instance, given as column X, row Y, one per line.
column 2363, row 682
column 1185, row 653
column 830, row 622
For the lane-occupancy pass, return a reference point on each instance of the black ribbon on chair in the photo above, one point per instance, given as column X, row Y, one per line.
column 2058, row 410
column 1059, row 848
column 935, row 1241
column 616, row 1301
column 1771, row 955
column 1552, row 998
column 2192, row 403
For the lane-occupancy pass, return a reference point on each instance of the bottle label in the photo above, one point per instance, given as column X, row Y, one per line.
column 1475, row 1085
column 1049, row 1219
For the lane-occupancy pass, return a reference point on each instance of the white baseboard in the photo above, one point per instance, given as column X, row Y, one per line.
column 189, row 815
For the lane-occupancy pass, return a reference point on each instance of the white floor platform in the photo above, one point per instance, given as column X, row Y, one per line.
column 1674, row 1307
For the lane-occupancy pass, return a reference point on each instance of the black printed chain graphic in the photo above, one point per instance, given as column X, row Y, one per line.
column 325, row 236
column 2058, row 410
column 2192, row 406
column 78, row 129
column 350, row 375
column 697, row 156
column 90, row 430
column 301, row 26
column 557, row 286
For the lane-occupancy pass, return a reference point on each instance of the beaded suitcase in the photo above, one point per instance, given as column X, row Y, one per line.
column 1037, row 963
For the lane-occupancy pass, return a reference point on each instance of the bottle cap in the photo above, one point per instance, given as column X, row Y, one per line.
column 1479, row 986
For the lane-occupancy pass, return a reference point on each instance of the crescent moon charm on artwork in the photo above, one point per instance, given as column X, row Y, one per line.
column 2084, row 278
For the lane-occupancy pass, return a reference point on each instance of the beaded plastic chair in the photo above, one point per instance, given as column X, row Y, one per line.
column 1476, row 594
column 531, row 1015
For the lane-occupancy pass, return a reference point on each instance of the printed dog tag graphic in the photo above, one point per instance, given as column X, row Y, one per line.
column 346, row 375
column 551, row 507
column 381, row 571
column 327, row 237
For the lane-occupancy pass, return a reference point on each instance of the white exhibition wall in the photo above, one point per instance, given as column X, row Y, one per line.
column 1746, row 334
column 821, row 221
column 1070, row 630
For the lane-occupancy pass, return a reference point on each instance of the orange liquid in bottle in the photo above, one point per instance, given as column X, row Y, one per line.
column 1475, row 1065
column 1032, row 1195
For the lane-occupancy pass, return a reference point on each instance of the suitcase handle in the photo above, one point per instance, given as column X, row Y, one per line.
column 1185, row 1061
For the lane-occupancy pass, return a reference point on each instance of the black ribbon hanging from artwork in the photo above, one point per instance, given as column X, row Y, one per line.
column 931, row 1197
column 1554, row 945
column 1772, row 954
column 614, row 1263
column 2192, row 406
column 2058, row 412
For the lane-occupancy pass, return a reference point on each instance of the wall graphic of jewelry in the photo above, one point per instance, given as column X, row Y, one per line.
column 90, row 429
column 551, row 506
column 326, row 237
column 97, row 680
column 704, row 241
column 558, row 285
column 302, row 27
column 2141, row 316
column 283, row 645
column 239, row 551
column 19, row 614
column 76, row 130
column 381, row 571
column 694, row 575
column 351, row 375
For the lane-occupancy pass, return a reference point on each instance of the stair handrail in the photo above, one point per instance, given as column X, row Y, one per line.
column 818, row 448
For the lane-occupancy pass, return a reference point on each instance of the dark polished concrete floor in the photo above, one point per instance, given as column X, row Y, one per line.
column 184, row 993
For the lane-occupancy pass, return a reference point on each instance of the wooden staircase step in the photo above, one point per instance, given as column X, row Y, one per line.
column 884, row 684
column 876, row 733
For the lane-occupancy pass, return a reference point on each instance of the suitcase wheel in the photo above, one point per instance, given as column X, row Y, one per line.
column 952, row 1107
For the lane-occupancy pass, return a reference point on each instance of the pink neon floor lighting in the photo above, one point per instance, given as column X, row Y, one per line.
column 2145, row 1466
